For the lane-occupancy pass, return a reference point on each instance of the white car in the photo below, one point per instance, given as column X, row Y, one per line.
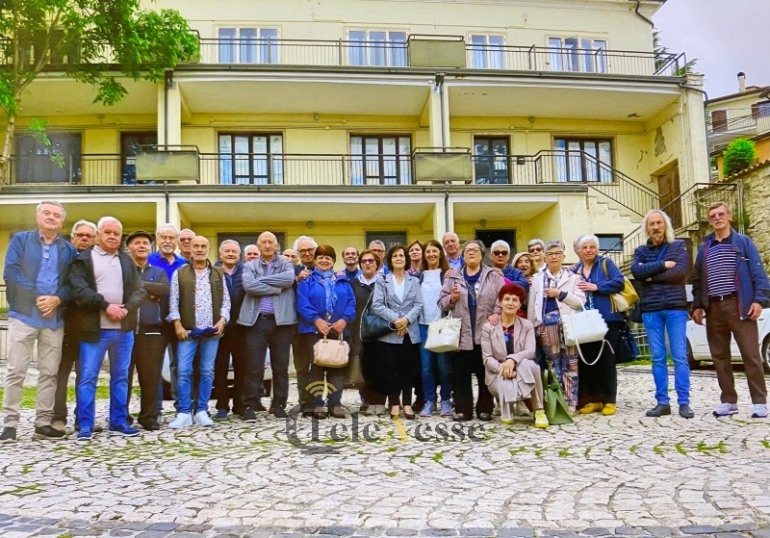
column 698, row 347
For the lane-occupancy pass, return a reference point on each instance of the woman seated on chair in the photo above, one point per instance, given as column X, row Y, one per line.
column 508, row 352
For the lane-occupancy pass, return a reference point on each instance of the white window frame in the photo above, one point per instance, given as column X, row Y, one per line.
column 489, row 54
column 578, row 54
column 371, row 55
column 250, row 45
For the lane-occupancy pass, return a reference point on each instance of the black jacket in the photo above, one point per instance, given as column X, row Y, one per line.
column 662, row 289
column 89, row 303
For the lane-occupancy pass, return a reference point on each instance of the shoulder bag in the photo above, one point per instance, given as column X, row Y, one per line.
column 585, row 327
column 555, row 406
column 373, row 326
column 331, row 353
column 624, row 299
column 443, row 334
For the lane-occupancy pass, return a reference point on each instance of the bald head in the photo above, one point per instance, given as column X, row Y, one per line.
column 200, row 251
column 268, row 245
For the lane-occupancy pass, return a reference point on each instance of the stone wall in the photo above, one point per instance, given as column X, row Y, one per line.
column 756, row 206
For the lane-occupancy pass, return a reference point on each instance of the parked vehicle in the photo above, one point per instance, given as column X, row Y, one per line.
column 698, row 347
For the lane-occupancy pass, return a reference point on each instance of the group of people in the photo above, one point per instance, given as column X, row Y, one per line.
column 84, row 298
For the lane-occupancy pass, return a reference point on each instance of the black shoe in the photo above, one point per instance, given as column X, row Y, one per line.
column 48, row 432
column 249, row 415
column 659, row 410
column 150, row 426
column 279, row 412
column 685, row 411
column 460, row 417
column 486, row 417
column 8, row 436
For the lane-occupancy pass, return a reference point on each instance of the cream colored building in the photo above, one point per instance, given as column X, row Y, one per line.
column 353, row 119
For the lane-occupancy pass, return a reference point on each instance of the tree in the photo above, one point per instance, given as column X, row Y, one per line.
column 740, row 154
column 97, row 42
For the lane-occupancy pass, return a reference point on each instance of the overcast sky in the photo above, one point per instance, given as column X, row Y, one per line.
column 726, row 36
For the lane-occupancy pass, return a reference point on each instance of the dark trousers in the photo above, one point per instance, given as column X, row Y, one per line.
column 599, row 382
column 724, row 321
column 466, row 364
column 147, row 360
column 69, row 358
column 401, row 362
column 374, row 372
column 262, row 335
column 231, row 345
column 334, row 377
column 302, row 363
column 169, row 337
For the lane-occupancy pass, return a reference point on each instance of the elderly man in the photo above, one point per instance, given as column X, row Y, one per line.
column 185, row 243
column 270, row 314
column 378, row 247
column 451, row 243
column 291, row 255
column 305, row 246
column 730, row 288
column 199, row 307
column 82, row 237
column 662, row 265
column 35, row 275
column 536, row 249
column 108, row 291
column 147, row 355
column 500, row 253
column 350, row 258
column 232, row 344
column 250, row 253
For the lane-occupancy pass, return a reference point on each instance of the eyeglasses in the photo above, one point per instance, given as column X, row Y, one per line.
column 472, row 251
column 555, row 254
column 185, row 239
column 500, row 253
column 306, row 250
column 367, row 261
column 535, row 249
column 715, row 216
column 83, row 236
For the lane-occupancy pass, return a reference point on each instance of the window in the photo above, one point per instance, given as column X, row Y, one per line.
column 487, row 51
column 760, row 110
column 583, row 160
column 610, row 242
column 391, row 239
column 380, row 160
column 34, row 44
column 248, row 46
column 129, row 144
column 39, row 163
column 578, row 54
column 719, row 120
column 490, row 160
column 250, row 159
column 377, row 48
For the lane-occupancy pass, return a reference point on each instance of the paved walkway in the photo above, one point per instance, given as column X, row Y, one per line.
column 622, row 475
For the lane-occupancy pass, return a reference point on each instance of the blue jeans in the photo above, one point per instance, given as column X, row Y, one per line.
column 430, row 361
column 118, row 345
column 186, row 355
column 675, row 323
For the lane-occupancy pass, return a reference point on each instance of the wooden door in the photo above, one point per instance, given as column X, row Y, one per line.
column 669, row 191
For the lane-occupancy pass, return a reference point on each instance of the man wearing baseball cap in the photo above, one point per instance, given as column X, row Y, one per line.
column 147, row 355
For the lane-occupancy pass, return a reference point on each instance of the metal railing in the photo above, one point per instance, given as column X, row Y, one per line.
column 721, row 134
column 85, row 169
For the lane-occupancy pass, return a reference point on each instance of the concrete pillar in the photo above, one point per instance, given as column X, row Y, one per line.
column 695, row 158
column 439, row 116
column 169, row 98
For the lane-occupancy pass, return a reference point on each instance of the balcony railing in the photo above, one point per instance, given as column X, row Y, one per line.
column 720, row 134
column 343, row 53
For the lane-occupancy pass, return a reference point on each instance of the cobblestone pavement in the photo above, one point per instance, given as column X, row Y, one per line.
column 623, row 475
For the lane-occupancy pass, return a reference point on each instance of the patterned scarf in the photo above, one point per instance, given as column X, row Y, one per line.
column 328, row 279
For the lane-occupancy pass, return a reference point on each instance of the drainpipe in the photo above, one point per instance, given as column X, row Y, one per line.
column 168, row 84
column 636, row 10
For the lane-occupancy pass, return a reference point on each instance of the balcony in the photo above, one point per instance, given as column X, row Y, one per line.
column 343, row 53
column 720, row 134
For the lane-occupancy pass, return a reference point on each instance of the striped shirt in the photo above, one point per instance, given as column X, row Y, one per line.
column 721, row 266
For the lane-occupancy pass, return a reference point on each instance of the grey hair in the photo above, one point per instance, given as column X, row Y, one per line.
column 105, row 220
column 229, row 242
column 582, row 240
column 376, row 242
column 304, row 238
column 187, row 230
column 477, row 242
column 669, row 227
column 556, row 243
column 536, row 241
column 165, row 228
column 83, row 222
column 501, row 243
column 39, row 207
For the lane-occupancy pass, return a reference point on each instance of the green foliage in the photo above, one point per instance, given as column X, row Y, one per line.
column 740, row 154
column 663, row 54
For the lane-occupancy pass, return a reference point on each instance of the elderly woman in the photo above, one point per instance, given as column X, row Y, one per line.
column 434, row 267
column 508, row 351
column 326, row 305
column 471, row 294
column 397, row 298
column 599, row 278
column 555, row 293
column 500, row 253
column 523, row 262
column 374, row 391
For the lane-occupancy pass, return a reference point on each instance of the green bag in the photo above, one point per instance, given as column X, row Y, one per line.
column 556, row 408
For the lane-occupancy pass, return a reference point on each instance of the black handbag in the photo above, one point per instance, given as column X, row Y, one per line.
column 373, row 326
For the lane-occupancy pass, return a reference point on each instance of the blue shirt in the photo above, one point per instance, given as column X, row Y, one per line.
column 47, row 284
column 157, row 259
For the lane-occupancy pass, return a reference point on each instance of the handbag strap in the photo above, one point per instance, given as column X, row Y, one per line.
column 580, row 351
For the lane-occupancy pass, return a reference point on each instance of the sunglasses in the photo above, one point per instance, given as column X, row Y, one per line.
column 367, row 261
column 500, row 253
column 536, row 249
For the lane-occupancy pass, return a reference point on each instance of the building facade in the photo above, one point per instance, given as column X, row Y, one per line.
column 350, row 120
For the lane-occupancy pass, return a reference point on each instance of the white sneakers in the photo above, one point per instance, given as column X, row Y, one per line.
column 202, row 418
column 184, row 420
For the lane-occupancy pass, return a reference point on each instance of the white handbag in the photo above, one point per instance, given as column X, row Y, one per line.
column 585, row 327
column 443, row 334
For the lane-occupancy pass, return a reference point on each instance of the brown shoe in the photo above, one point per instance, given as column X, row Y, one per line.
column 337, row 412
column 59, row 425
column 319, row 413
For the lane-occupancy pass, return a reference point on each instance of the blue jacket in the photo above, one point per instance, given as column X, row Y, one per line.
column 750, row 278
column 311, row 303
column 153, row 310
column 516, row 276
column 234, row 283
column 22, row 265
column 662, row 289
column 605, row 274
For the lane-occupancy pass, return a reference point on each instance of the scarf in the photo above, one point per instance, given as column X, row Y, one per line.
column 328, row 279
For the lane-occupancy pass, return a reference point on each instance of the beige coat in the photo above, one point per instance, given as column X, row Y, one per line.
column 490, row 283
column 528, row 382
column 568, row 282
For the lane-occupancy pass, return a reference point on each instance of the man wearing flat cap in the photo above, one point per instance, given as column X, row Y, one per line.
column 147, row 355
